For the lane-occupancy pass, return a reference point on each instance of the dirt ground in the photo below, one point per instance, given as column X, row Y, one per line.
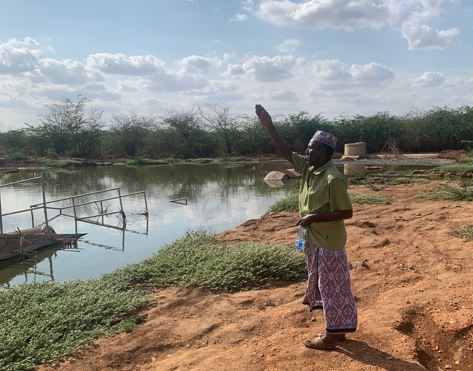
column 412, row 279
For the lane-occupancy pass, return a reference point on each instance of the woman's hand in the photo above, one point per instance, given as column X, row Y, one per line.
column 306, row 220
column 263, row 116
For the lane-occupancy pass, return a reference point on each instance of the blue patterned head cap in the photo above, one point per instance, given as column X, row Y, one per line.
column 325, row 138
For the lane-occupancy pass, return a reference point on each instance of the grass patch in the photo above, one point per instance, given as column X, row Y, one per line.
column 61, row 163
column 201, row 260
column 146, row 161
column 235, row 159
column 406, row 180
column 363, row 198
column 465, row 233
column 289, row 203
column 45, row 322
column 446, row 192
column 456, row 169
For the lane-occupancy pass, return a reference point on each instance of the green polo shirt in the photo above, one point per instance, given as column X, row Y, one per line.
column 323, row 190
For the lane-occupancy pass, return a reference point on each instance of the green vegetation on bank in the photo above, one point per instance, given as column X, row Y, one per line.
column 465, row 233
column 406, row 180
column 44, row 322
column 291, row 203
column 72, row 130
column 446, row 192
column 365, row 198
column 454, row 169
column 201, row 260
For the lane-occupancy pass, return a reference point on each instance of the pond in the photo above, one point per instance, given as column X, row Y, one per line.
column 218, row 197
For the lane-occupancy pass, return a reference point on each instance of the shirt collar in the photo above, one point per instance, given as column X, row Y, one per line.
column 322, row 168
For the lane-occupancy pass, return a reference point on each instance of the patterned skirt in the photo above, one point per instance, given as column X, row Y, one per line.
column 329, row 287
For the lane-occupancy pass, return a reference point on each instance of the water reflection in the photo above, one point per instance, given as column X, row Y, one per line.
column 27, row 267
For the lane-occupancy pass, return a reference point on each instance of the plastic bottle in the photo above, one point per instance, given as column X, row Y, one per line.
column 300, row 238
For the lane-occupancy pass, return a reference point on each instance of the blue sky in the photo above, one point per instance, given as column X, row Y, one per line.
column 335, row 57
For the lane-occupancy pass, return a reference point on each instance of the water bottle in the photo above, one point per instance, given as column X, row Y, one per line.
column 300, row 238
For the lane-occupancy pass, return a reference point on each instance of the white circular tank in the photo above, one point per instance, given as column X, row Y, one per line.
column 355, row 149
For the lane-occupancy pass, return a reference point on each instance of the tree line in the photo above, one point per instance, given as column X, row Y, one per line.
column 70, row 129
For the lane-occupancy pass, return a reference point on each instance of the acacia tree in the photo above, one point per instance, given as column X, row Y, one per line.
column 130, row 132
column 186, row 137
column 69, row 130
column 217, row 117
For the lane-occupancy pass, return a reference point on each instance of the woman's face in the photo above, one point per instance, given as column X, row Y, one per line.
column 314, row 153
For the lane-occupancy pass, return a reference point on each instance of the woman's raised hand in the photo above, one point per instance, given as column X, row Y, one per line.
column 263, row 116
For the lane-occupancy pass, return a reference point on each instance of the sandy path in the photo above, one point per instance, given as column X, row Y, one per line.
column 412, row 280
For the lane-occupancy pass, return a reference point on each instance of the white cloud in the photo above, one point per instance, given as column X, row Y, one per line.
column 122, row 64
column 334, row 74
column 425, row 37
column 197, row 64
column 370, row 73
column 270, row 69
column 242, row 15
column 344, row 14
column 331, row 69
column 430, row 79
column 18, row 56
column 288, row 46
column 67, row 72
column 405, row 15
column 235, row 70
column 283, row 95
column 170, row 82
column 239, row 17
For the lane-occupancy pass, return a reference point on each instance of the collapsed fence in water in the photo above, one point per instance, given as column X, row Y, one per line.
column 24, row 242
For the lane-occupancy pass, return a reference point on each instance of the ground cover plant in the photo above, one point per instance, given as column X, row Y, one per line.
column 406, row 180
column 446, row 192
column 44, row 322
column 465, row 233
column 201, row 260
column 289, row 203
column 365, row 198
column 455, row 169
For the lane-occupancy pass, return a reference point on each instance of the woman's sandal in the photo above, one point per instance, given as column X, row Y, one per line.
column 338, row 337
column 319, row 344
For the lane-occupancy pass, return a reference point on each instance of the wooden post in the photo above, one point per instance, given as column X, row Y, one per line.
column 146, row 203
column 75, row 213
column 32, row 219
column 44, row 202
column 121, row 208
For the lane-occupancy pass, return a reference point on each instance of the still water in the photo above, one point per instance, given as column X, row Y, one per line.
column 219, row 197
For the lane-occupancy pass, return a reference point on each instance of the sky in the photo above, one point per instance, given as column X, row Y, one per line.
column 152, row 57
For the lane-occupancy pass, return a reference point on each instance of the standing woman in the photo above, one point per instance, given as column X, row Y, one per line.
column 323, row 205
